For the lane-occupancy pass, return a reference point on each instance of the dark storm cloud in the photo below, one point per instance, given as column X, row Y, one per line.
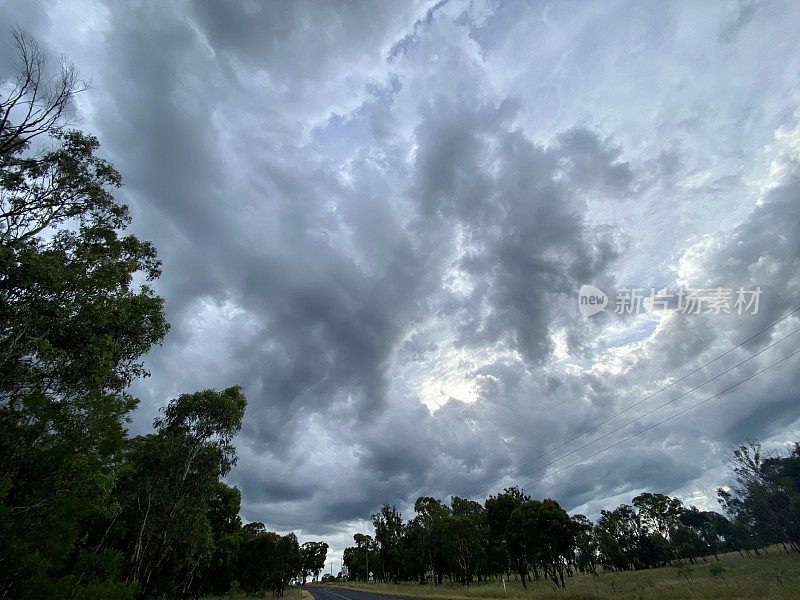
column 368, row 212
column 524, row 238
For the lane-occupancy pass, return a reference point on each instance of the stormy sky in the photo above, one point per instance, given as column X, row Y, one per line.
column 376, row 217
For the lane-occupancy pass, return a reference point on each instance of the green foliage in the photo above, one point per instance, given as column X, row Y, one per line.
column 537, row 540
column 586, row 544
column 388, row 525
column 86, row 512
column 73, row 329
column 169, row 487
column 464, row 535
column 219, row 576
column 498, row 511
column 763, row 499
column 267, row 561
column 540, row 536
column 716, row 569
column 356, row 558
column 312, row 559
column 658, row 513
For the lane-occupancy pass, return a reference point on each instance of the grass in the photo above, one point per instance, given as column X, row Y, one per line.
column 774, row 575
column 291, row 593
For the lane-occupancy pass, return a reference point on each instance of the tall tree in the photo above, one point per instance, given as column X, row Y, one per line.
column 219, row 573
column 414, row 551
column 712, row 528
column 169, row 486
column 267, row 561
column 254, row 570
column 73, row 328
column 286, row 563
column 360, row 559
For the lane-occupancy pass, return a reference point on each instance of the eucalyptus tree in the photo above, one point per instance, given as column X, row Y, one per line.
column 658, row 513
column 218, row 573
column 763, row 496
column 357, row 558
column 618, row 533
column 267, row 561
column 463, row 538
column 169, row 486
column 388, row 523
column 541, row 538
column 711, row 527
column 312, row 559
column 587, row 549
column 432, row 515
column 498, row 512
column 73, row 329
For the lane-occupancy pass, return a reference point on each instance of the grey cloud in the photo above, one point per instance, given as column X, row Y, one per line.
column 389, row 203
column 738, row 19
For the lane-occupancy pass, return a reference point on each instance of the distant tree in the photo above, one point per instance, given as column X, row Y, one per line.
column 619, row 533
column 658, row 513
column 712, row 528
column 413, row 551
column 498, row 512
column 463, row 539
column 352, row 563
column 356, row 558
column 267, row 560
column 586, row 546
column 541, row 538
column 312, row 559
column 687, row 543
column 432, row 515
column 388, row 525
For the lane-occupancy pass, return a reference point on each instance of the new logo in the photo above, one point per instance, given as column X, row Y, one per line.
column 591, row 300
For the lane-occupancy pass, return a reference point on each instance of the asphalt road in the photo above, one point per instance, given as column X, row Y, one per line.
column 326, row 593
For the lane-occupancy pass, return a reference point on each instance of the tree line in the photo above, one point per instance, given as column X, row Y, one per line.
column 511, row 533
column 86, row 510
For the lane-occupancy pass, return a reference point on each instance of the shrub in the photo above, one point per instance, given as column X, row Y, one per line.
column 716, row 569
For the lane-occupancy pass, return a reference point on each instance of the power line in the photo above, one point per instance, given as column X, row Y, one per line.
column 650, row 412
column 635, row 404
column 677, row 414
